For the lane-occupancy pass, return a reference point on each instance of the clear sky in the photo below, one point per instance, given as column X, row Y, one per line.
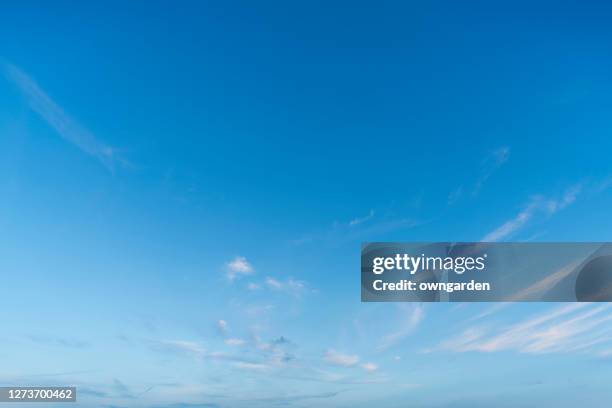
column 184, row 187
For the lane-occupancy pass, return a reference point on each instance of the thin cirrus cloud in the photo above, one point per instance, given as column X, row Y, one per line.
column 359, row 229
column 577, row 327
column 493, row 161
column 287, row 400
column 244, row 365
column 410, row 316
column 180, row 346
column 535, row 289
column 255, row 354
column 60, row 121
column 536, row 205
column 59, row 341
column 291, row 286
column 235, row 342
column 195, row 350
column 490, row 164
column 357, row 221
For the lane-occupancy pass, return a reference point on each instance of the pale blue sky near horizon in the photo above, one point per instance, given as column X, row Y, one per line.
column 185, row 188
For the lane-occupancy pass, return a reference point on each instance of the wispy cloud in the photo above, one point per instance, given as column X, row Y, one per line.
column 493, row 161
column 536, row 205
column 239, row 266
column 369, row 367
column 489, row 165
column 455, row 195
column 258, row 310
column 291, row 286
column 117, row 389
column 180, row 346
column 361, row 220
column 121, row 390
column 545, row 283
column 410, row 316
column 252, row 366
column 276, row 351
column 186, row 405
column 339, row 359
column 273, row 283
column 59, row 341
column 253, row 286
column 235, row 342
column 286, row 400
column 569, row 328
column 514, row 224
column 224, row 330
column 357, row 230
column 197, row 352
column 60, row 121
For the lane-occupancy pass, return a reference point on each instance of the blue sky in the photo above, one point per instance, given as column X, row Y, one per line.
column 185, row 189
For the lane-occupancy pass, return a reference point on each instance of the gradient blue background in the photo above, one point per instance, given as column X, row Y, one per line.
column 189, row 236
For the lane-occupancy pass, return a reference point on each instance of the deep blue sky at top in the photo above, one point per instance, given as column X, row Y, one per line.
column 287, row 133
column 278, row 105
column 287, row 102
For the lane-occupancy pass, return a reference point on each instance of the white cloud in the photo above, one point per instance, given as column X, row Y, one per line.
column 273, row 283
column 253, row 286
column 369, row 367
column 235, row 342
column 55, row 117
column 536, row 205
column 295, row 284
column 569, row 196
column 238, row 266
column 222, row 326
column 344, row 360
